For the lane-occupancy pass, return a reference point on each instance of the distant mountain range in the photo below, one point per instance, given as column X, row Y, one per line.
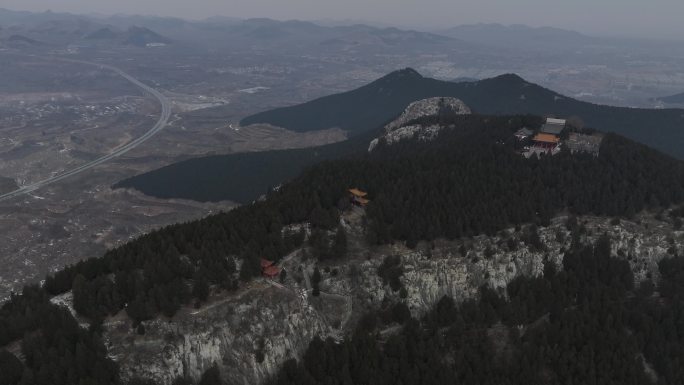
column 138, row 36
column 521, row 36
column 362, row 112
column 214, row 33
column 64, row 28
column 277, row 35
column 302, row 36
column 30, row 29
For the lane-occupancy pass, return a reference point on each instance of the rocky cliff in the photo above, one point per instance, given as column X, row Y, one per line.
column 250, row 333
column 402, row 128
column 247, row 334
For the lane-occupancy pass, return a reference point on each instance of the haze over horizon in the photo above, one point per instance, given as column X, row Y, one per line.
column 654, row 19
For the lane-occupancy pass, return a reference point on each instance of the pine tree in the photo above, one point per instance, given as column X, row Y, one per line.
column 11, row 368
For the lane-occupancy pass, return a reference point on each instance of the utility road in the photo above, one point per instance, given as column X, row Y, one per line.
column 161, row 123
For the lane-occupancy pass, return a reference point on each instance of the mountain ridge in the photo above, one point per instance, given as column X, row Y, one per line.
column 264, row 170
column 470, row 182
column 371, row 105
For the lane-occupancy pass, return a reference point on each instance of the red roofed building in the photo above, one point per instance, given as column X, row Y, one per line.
column 271, row 271
column 546, row 141
column 266, row 263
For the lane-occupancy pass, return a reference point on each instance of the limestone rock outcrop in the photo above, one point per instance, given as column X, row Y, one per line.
column 402, row 128
column 250, row 333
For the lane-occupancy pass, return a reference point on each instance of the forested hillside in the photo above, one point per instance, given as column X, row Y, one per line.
column 371, row 106
column 471, row 180
column 356, row 111
column 586, row 324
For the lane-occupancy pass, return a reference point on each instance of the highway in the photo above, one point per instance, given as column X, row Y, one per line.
column 161, row 123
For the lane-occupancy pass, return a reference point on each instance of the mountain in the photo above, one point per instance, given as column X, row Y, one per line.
column 20, row 40
column 244, row 177
column 218, row 33
column 11, row 17
column 49, row 27
column 521, row 37
column 355, row 111
column 102, row 33
column 310, row 37
column 673, row 99
column 459, row 215
column 136, row 36
column 365, row 110
column 410, row 124
column 465, row 79
column 373, row 105
column 140, row 36
column 307, row 31
column 263, row 28
column 63, row 29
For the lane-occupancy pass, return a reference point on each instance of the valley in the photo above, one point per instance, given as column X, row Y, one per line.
column 46, row 136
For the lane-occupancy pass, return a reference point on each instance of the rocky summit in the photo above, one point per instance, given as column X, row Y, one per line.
column 407, row 126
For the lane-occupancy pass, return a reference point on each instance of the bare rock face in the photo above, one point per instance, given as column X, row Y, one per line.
column 274, row 322
column 433, row 271
column 248, row 335
column 401, row 128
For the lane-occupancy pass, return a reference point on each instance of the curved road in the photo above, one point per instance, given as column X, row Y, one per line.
column 161, row 123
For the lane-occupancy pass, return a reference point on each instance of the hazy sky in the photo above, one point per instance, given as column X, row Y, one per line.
column 663, row 18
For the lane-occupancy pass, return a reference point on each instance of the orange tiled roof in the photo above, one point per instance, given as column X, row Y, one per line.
column 271, row 271
column 546, row 138
column 357, row 193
